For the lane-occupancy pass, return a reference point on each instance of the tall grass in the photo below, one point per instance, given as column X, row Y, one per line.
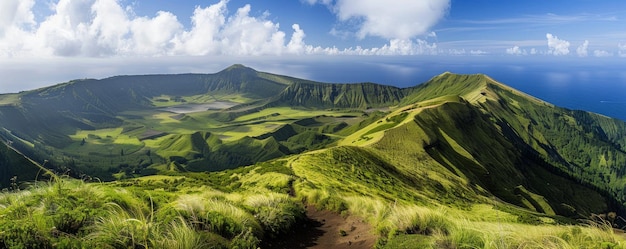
column 445, row 228
column 123, row 228
column 277, row 213
column 180, row 235
column 217, row 215
column 391, row 218
column 325, row 198
column 72, row 214
column 468, row 234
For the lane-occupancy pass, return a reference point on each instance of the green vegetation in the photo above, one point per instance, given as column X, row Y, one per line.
column 461, row 161
column 10, row 174
column 72, row 214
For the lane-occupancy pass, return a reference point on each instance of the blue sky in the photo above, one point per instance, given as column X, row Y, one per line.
column 44, row 42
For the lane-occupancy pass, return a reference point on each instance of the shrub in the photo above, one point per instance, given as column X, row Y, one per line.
column 22, row 234
column 221, row 224
column 245, row 240
column 277, row 213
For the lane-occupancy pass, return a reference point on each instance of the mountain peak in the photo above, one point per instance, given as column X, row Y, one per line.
column 238, row 67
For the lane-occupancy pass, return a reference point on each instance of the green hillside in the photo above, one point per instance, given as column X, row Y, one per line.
column 242, row 158
column 14, row 168
column 362, row 96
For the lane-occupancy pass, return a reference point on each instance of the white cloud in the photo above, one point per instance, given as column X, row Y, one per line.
column 402, row 19
column 155, row 36
column 602, row 53
column 311, row 2
column 84, row 28
column 107, row 28
column 478, row 52
column 201, row 39
column 533, row 51
column 296, row 45
column 399, row 19
column 406, row 47
column 516, row 50
column 557, row 46
column 582, row 49
column 621, row 49
column 394, row 47
column 453, row 51
column 15, row 14
column 16, row 19
column 246, row 35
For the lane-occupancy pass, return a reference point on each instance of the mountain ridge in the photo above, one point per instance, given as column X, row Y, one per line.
column 457, row 117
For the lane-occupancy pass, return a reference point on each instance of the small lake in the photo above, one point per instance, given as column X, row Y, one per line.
column 190, row 108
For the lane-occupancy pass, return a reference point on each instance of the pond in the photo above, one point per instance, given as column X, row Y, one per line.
column 190, row 108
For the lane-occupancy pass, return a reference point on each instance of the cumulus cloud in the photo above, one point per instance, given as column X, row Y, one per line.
column 99, row 28
column 516, row 50
column 456, row 51
column 394, row 47
column 602, row 53
column 153, row 36
column 557, row 46
column 246, row 35
column 400, row 19
column 296, row 45
column 206, row 25
column 582, row 49
column 16, row 19
column 478, row 52
column 621, row 49
column 15, row 13
column 107, row 28
column 404, row 47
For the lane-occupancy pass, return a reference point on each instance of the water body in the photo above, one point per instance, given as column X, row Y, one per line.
column 191, row 108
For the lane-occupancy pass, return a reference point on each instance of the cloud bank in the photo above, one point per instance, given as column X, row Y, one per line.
column 107, row 28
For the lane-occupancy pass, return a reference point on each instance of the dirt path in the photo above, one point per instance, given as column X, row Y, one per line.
column 325, row 229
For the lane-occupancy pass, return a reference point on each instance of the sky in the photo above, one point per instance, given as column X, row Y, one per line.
column 44, row 42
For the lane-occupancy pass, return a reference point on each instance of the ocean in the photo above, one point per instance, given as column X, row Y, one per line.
column 591, row 84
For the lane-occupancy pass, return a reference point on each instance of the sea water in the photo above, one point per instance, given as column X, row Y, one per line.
column 591, row 84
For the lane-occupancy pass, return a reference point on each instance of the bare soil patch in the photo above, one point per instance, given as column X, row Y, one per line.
column 326, row 229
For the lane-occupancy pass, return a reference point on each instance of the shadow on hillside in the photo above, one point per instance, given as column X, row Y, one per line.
column 305, row 235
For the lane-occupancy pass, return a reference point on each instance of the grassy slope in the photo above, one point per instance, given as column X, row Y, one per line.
column 571, row 144
column 364, row 95
column 577, row 143
column 245, row 206
column 12, row 164
column 438, row 170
